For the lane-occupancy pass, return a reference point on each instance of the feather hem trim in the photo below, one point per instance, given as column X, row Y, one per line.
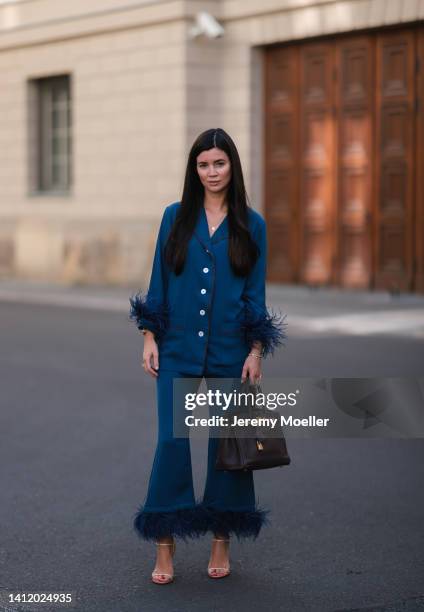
column 243, row 524
column 182, row 523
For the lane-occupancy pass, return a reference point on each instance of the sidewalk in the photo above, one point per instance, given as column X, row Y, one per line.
column 309, row 311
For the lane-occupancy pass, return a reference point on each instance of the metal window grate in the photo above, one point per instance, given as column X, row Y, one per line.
column 54, row 150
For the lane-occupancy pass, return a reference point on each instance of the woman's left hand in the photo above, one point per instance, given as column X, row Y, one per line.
column 252, row 369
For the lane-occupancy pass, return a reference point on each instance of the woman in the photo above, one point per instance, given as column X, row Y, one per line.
column 204, row 315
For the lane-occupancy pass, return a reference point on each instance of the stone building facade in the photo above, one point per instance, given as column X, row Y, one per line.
column 101, row 101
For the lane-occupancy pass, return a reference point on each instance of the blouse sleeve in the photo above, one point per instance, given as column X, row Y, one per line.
column 260, row 323
column 150, row 311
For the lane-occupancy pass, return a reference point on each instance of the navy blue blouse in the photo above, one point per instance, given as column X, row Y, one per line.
column 207, row 313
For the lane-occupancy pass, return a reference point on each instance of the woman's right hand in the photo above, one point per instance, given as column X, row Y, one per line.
column 150, row 354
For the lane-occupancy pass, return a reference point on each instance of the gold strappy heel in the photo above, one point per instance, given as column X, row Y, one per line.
column 223, row 571
column 168, row 577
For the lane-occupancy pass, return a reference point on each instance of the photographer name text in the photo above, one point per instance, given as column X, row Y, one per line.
column 236, row 421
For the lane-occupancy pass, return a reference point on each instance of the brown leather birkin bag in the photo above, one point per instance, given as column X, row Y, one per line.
column 256, row 452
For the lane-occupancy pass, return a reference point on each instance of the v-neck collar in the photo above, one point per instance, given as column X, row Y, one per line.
column 202, row 229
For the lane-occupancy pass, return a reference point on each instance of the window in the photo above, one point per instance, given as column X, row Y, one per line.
column 53, row 121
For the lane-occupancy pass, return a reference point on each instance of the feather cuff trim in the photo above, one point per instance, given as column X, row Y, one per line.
column 266, row 326
column 149, row 313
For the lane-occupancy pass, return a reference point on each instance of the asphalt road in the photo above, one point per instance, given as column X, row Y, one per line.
column 77, row 437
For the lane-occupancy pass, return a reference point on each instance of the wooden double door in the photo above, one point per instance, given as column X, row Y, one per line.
column 344, row 160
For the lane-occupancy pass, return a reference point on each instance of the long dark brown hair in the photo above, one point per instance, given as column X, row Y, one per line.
column 242, row 249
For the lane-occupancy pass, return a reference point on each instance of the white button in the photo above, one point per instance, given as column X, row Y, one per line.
column 203, row 291
column 202, row 312
column 205, row 270
column 201, row 333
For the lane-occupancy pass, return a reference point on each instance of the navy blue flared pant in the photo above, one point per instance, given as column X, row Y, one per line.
column 170, row 508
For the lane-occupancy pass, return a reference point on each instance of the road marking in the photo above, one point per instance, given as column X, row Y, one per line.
column 403, row 322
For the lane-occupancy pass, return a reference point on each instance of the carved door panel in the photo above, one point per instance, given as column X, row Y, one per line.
column 281, row 152
column 395, row 100
column 419, row 164
column 317, row 159
column 355, row 119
